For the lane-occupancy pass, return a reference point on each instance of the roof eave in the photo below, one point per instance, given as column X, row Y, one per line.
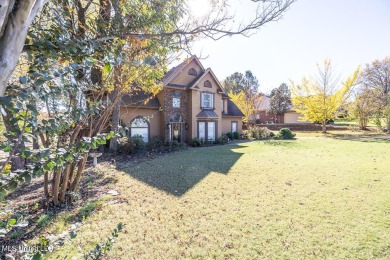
column 193, row 57
column 140, row 106
column 231, row 116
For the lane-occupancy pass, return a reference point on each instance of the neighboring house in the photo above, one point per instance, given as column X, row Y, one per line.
column 261, row 116
column 192, row 104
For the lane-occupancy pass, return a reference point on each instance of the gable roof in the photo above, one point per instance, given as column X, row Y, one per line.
column 233, row 110
column 208, row 70
column 262, row 103
column 140, row 99
column 176, row 70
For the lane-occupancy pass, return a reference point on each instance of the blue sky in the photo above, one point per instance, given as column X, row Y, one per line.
column 349, row 32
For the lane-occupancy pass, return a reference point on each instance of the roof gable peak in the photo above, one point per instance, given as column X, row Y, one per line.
column 179, row 68
column 207, row 71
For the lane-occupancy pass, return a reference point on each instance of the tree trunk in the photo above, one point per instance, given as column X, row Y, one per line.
column 17, row 161
column 56, row 186
column 46, row 185
column 35, row 140
column 324, row 126
column 115, row 123
column 65, row 183
column 81, row 164
column 14, row 23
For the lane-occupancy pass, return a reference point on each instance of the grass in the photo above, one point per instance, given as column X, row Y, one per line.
column 45, row 219
column 353, row 122
column 314, row 197
column 90, row 207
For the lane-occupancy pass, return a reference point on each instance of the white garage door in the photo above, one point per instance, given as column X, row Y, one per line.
column 292, row 118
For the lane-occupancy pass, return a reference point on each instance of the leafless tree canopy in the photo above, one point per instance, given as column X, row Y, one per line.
column 377, row 75
column 221, row 21
column 326, row 79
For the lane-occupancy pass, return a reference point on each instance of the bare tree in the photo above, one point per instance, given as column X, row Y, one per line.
column 377, row 75
column 365, row 105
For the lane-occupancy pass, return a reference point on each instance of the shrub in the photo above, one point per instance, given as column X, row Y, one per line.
column 196, row 142
column 155, row 144
column 247, row 134
column 223, row 139
column 173, row 146
column 286, row 133
column 139, row 144
column 230, row 135
column 124, row 146
column 258, row 133
column 236, row 135
column 131, row 145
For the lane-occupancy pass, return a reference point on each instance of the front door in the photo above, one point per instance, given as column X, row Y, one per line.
column 176, row 132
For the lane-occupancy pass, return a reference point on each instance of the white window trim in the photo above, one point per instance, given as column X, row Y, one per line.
column 211, row 100
column 206, row 130
column 213, row 132
column 236, row 124
column 144, row 127
column 173, row 99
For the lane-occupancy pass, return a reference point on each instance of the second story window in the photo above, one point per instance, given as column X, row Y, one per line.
column 176, row 99
column 207, row 100
column 176, row 102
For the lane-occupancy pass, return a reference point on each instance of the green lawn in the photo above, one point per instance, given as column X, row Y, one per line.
column 314, row 197
column 353, row 122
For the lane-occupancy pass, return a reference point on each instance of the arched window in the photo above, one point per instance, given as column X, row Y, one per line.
column 207, row 84
column 140, row 126
column 192, row 72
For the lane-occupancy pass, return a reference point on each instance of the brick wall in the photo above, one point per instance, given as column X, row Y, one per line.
column 300, row 127
column 262, row 117
column 169, row 110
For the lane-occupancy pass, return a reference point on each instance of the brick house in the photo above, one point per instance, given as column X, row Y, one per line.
column 191, row 104
column 261, row 116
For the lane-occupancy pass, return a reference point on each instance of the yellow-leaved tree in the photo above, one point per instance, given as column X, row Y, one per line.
column 319, row 97
column 244, row 103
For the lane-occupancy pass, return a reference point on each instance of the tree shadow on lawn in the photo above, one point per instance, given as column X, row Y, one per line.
column 362, row 138
column 179, row 172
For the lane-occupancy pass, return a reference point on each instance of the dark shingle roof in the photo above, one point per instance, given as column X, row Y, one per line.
column 176, row 85
column 170, row 72
column 207, row 113
column 139, row 98
column 233, row 110
column 174, row 69
column 262, row 103
column 196, row 79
